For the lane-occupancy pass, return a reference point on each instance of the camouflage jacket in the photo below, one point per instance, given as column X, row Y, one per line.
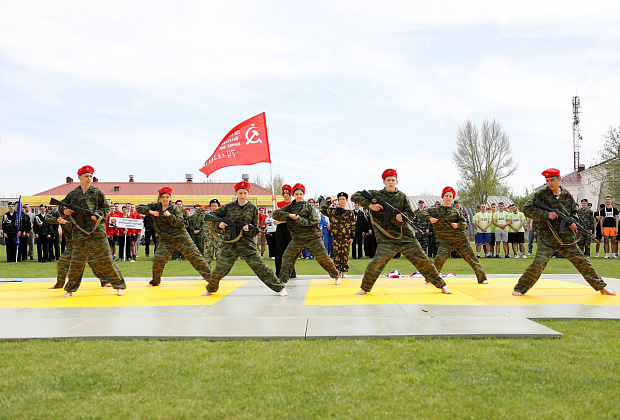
column 94, row 200
column 173, row 225
column 421, row 223
column 306, row 226
column 586, row 218
column 52, row 217
column 443, row 228
column 393, row 227
column 196, row 222
column 565, row 203
column 342, row 221
column 247, row 213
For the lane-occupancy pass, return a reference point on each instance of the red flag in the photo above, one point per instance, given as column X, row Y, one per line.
column 246, row 144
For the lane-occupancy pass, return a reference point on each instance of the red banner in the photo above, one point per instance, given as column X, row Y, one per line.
column 246, row 144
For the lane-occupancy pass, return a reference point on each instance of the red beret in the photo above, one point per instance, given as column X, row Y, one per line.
column 197, row 206
column 389, row 172
column 448, row 189
column 243, row 184
column 178, row 201
column 286, row 187
column 165, row 190
column 299, row 186
column 551, row 172
column 85, row 169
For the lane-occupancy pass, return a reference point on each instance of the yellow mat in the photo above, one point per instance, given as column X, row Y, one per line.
column 91, row 294
column 465, row 291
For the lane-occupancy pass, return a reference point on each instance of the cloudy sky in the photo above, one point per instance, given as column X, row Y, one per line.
column 349, row 88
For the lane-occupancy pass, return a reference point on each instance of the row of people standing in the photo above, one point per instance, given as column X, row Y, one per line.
column 33, row 230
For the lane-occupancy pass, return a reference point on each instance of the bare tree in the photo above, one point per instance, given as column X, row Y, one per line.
column 609, row 169
column 484, row 160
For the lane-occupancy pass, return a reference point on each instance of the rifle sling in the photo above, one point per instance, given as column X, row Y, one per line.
column 557, row 237
column 99, row 219
column 224, row 241
column 384, row 231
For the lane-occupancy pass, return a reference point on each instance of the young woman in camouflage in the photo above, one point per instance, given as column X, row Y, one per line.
column 303, row 223
column 342, row 223
column 243, row 245
column 170, row 226
column 90, row 237
column 451, row 229
column 395, row 236
column 551, row 240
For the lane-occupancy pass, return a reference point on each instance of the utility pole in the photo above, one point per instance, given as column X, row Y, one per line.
column 576, row 134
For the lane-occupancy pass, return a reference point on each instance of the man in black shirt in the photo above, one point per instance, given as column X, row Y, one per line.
column 10, row 232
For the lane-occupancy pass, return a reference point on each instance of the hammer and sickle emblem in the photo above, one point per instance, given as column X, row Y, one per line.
column 251, row 134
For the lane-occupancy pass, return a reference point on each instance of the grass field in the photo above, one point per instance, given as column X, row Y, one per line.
column 573, row 377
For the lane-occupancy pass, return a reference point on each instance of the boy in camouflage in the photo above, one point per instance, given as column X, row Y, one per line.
column 243, row 245
column 395, row 236
column 303, row 224
column 451, row 229
column 62, row 267
column 586, row 219
column 551, row 240
column 196, row 228
column 170, row 226
column 90, row 238
column 342, row 223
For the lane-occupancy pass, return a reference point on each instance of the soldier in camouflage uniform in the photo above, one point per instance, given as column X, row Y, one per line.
column 342, row 222
column 451, row 229
column 394, row 237
column 551, row 240
column 587, row 220
column 89, row 236
column 196, row 225
column 62, row 267
column 213, row 238
column 421, row 235
column 303, row 224
column 170, row 227
column 243, row 246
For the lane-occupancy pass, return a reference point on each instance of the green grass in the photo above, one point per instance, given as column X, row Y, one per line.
column 573, row 377
column 142, row 268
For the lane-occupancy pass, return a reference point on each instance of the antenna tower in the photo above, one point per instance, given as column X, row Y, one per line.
column 576, row 133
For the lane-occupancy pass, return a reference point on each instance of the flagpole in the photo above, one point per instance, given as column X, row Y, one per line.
column 273, row 191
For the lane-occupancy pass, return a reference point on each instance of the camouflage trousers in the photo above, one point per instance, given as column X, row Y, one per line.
column 98, row 246
column 543, row 255
column 387, row 249
column 584, row 244
column 431, row 246
column 250, row 254
column 184, row 245
column 341, row 253
column 213, row 248
column 62, row 267
column 314, row 244
column 199, row 241
column 464, row 249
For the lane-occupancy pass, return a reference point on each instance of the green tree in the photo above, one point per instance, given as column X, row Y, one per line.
column 484, row 161
column 609, row 172
column 278, row 181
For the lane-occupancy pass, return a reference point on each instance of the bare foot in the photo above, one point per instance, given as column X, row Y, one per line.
column 484, row 282
column 283, row 293
column 446, row 291
column 362, row 292
column 207, row 293
column 54, row 287
column 343, row 275
column 607, row 292
column 427, row 282
column 108, row 285
column 68, row 294
column 515, row 293
column 337, row 281
column 119, row 292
